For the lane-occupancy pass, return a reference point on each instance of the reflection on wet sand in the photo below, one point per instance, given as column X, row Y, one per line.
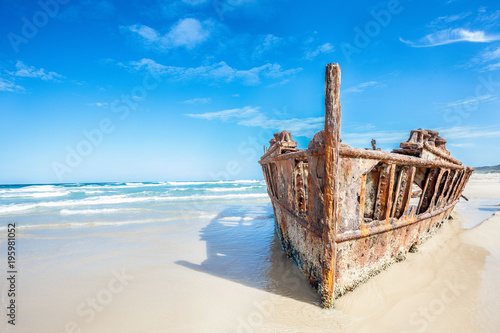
column 243, row 249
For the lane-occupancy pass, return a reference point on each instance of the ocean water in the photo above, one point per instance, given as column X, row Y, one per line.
column 99, row 204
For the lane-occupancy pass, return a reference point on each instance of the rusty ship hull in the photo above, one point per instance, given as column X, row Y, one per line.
column 343, row 214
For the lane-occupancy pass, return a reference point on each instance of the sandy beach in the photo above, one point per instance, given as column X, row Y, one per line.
column 228, row 274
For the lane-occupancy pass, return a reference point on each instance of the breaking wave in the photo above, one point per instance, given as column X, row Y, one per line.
column 122, row 199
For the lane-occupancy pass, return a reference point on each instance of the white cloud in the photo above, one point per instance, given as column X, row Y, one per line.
column 269, row 42
column 253, row 117
column 188, row 33
column 216, row 72
column 322, row 49
column 449, row 36
column 10, row 86
column 197, row 101
column 149, row 34
column 23, row 70
column 360, row 87
column 150, row 65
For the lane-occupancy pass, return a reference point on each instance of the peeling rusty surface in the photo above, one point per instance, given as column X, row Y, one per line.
column 344, row 214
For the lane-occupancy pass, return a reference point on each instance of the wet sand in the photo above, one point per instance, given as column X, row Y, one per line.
column 225, row 275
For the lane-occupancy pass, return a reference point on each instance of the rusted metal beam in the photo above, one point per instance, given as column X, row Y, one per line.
column 382, row 193
column 436, row 187
column 453, row 185
column 428, row 191
column 332, row 172
column 438, row 152
column 403, row 189
column 301, row 221
column 395, row 224
column 458, row 186
column 347, row 151
column 390, row 194
column 298, row 154
column 410, row 187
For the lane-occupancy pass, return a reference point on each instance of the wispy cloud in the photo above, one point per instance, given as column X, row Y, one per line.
column 188, row 33
column 469, row 132
column 197, row 101
column 98, row 104
column 487, row 17
column 358, row 137
column 322, row 49
column 471, row 101
column 243, row 113
column 363, row 138
column 447, row 19
column 10, row 86
column 489, row 59
column 493, row 54
column 449, row 36
column 23, row 70
column 217, row 72
column 462, row 145
column 254, row 117
column 223, row 6
column 361, row 87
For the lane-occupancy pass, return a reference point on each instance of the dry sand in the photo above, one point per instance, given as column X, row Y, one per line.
column 165, row 278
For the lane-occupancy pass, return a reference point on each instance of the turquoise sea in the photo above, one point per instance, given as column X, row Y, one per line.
column 99, row 204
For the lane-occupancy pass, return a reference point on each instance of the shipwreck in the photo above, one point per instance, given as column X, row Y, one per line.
column 343, row 214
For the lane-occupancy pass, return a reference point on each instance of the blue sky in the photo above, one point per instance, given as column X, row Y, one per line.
column 156, row 90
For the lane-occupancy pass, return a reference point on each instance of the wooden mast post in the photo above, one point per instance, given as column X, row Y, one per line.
column 332, row 172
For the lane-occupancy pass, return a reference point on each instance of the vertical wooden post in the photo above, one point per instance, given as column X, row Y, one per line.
column 332, row 174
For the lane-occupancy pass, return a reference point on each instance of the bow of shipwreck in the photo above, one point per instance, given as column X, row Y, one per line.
column 344, row 214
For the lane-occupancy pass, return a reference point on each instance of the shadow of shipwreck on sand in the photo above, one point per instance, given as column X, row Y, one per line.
column 244, row 248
